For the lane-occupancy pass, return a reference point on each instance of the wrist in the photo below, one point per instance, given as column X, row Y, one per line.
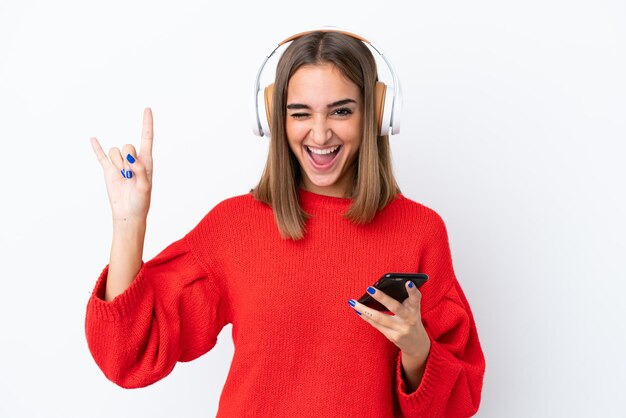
column 129, row 231
column 415, row 361
column 422, row 353
column 125, row 223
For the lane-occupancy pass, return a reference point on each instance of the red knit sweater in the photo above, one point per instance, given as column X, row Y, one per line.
column 300, row 350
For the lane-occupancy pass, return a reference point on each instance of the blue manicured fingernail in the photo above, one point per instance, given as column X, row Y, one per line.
column 352, row 303
column 123, row 173
column 371, row 290
column 357, row 312
column 129, row 174
column 130, row 158
column 410, row 284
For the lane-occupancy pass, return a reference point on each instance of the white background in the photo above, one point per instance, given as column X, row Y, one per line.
column 513, row 131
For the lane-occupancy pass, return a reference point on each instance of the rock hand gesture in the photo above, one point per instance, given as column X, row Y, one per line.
column 128, row 176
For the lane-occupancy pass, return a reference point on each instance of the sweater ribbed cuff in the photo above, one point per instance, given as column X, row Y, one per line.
column 119, row 307
column 440, row 369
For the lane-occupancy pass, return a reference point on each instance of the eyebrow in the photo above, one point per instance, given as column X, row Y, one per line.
column 334, row 104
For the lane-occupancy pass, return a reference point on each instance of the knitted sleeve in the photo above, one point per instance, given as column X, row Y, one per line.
column 172, row 311
column 452, row 382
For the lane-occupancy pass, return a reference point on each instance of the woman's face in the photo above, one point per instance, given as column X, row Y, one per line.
column 324, row 127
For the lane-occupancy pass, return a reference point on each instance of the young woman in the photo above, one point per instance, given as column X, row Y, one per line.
column 326, row 220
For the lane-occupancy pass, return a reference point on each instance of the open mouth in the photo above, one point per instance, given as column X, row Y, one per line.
column 323, row 158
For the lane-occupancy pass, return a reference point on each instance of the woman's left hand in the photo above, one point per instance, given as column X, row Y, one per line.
column 405, row 329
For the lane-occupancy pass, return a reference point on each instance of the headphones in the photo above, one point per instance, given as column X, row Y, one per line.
column 388, row 100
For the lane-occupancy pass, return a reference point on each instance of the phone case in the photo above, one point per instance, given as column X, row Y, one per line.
column 392, row 284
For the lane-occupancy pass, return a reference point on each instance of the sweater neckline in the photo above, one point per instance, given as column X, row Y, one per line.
column 308, row 198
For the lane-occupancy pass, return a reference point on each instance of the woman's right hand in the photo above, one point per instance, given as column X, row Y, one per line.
column 129, row 196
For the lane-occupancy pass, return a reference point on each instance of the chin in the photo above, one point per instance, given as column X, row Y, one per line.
column 323, row 181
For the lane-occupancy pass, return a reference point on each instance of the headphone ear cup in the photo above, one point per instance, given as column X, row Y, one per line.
column 380, row 93
column 268, row 99
column 261, row 120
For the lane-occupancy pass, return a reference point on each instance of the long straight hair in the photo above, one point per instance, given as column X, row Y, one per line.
column 374, row 185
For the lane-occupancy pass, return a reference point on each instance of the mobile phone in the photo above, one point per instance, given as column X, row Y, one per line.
column 392, row 284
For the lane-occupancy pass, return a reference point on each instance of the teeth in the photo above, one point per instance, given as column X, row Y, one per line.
column 322, row 151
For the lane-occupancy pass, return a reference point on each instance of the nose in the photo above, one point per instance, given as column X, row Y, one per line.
column 320, row 131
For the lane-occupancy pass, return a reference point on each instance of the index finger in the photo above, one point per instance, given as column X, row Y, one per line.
column 387, row 301
column 147, row 133
column 102, row 158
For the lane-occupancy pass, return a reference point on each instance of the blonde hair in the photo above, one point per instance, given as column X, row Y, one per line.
column 374, row 185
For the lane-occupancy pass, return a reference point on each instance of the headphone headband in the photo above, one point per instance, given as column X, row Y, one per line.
column 323, row 29
column 391, row 100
